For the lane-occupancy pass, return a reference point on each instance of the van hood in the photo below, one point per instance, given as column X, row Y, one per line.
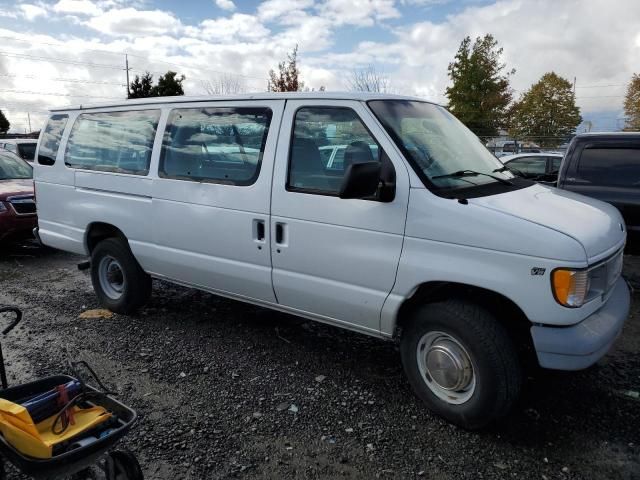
column 596, row 225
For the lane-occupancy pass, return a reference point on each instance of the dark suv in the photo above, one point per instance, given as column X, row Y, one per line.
column 606, row 166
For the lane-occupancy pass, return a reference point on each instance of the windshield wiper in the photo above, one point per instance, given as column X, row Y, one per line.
column 506, row 168
column 471, row 173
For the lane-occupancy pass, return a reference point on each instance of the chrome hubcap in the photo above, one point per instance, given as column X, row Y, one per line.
column 446, row 367
column 111, row 277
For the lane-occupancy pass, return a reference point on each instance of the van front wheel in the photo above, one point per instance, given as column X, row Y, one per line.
column 118, row 280
column 461, row 362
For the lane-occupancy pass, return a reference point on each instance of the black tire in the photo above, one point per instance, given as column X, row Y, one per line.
column 135, row 282
column 496, row 368
column 123, row 465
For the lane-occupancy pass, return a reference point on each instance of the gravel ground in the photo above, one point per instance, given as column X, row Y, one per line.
column 224, row 390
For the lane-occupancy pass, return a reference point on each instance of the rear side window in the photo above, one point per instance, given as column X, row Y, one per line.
column 530, row 166
column 113, row 141
column 218, row 145
column 318, row 129
column 50, row 140
column 610, row 166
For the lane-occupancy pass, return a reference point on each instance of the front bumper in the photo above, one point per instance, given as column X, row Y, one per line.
column 580, row 346
column 14, row 227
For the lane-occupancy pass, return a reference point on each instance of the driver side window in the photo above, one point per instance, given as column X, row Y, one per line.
column 325, row 141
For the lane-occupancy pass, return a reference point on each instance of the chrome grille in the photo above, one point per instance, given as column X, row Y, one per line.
column 23, row 205
column 614, row 270
column 605, row 274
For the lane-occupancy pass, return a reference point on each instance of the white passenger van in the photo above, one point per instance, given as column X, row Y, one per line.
column 418, row 235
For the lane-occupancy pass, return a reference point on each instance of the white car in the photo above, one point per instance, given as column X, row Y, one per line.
column 425, row 239
column 534, row 166
column 25, row 148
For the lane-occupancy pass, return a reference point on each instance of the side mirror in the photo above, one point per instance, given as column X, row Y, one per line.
column 361, row 180
column 42, row 160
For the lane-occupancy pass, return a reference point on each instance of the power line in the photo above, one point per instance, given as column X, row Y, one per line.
column 219, row 72
column 63, row 80
column 602, row 86
column 57, row 94
column 59, row 60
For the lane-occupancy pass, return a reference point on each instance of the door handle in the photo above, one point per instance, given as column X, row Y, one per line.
column 281, row 233
column 258, row 230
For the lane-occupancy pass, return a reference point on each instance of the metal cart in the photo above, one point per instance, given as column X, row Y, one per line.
column 89, row 462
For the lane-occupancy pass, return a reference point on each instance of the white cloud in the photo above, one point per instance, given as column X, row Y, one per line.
column 31, row 12
column 132, row 22
column 358, row 12
column 231, row 29
column 83, row 7
column 226, row 5
column 273, row 9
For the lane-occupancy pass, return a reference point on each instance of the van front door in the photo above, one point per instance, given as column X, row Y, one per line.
column 211, row 199
column 334, row 259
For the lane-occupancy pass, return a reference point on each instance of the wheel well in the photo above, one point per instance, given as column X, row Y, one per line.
column 98, row 231
column 505, row 311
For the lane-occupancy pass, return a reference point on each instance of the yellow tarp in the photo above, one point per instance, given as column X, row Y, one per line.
column 37, row 440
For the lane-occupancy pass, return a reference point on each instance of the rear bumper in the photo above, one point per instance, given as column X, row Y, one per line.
column 580, row 346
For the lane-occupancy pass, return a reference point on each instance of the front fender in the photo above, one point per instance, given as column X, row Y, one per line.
column 507, row 274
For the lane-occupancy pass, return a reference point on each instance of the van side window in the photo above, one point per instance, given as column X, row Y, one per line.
column 218, row 145
column 113, row 141
column 50, row 140
column 610, row 166
column 325, row 141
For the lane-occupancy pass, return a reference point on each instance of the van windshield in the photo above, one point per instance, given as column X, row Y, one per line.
column 445, row 153
column 12, row 168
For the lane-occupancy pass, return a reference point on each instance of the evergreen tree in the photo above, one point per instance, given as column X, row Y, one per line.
column 169, row 85
column 141, row 87
column 4, row 123
column 480, row 93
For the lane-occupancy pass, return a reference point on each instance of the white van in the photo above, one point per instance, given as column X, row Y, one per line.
column 421, row 236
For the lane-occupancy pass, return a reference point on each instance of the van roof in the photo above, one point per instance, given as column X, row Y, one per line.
column 360, row 96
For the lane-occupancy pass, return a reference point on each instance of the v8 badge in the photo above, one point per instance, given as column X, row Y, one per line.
column 538, row 271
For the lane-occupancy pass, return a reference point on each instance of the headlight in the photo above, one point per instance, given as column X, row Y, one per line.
column 570, row 287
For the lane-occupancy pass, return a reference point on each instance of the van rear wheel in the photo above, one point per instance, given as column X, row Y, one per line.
column 461, row 362
column 118, row 280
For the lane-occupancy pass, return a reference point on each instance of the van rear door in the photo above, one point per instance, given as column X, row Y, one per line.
column 332, row 258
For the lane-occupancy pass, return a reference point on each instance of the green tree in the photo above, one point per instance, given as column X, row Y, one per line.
column 4, row 123
column 547, row 112
column 287, row 79
column 480, row 93
column 141, row 87
column 169, row 85
column 632, row 104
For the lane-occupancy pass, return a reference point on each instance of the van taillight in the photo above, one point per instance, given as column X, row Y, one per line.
column 34, row 191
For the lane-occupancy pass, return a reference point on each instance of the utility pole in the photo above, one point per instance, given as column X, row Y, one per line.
column 29, row 120
column 126, row 67
column 574, row 86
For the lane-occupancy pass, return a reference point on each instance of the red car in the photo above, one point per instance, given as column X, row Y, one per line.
column 17, row 202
